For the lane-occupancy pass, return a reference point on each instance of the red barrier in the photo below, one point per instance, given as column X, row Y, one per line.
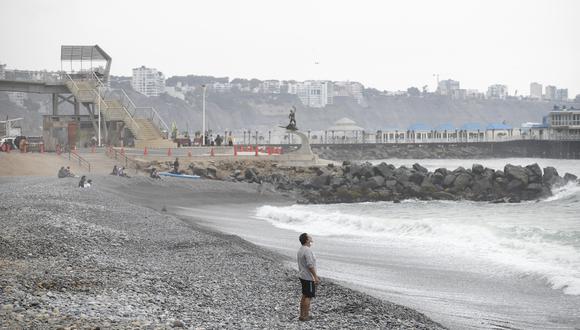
column 256, row 151
column 169, row 152
column 211, row 153
column 42, row 148
column 189, row 154
column 269, row 151
column 235, row 150
column 145, row 151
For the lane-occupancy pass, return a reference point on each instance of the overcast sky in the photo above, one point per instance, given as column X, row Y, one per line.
column 389, row 45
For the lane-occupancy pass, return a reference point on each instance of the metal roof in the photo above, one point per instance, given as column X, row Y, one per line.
column 83, row 53
column 472, row 127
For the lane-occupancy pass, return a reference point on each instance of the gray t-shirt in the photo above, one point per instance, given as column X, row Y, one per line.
column 306, row 259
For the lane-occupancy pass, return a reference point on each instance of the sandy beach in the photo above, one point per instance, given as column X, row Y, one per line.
column 115, row 256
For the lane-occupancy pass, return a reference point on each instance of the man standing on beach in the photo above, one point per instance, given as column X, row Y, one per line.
column 307, row 274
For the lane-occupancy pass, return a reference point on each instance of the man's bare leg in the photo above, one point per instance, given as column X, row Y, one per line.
column 304, row 308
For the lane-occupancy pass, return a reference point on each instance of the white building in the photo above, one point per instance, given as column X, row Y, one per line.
column 550, row 93
column 350, row 89
column 2, row 71
column 315, row 93
column 446, row 87
column 148, row 81
column 497, row 91
column 270, row 87
column 220, row 87
column 562, row 94
column 536, row 91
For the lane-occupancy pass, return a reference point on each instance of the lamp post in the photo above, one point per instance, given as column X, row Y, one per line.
column 203, row 116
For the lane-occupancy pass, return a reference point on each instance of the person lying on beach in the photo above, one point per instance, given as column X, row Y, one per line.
column 88, row 184
column 154, row 174
column 307, row 274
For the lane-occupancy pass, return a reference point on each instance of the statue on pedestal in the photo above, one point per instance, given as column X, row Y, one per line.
column 292, row 116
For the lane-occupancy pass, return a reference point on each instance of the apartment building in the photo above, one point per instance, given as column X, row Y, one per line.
column 148, row 81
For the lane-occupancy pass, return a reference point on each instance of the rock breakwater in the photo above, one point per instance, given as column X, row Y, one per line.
column 363, row 182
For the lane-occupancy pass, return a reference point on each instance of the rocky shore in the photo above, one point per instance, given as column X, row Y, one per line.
column 364, row 182
column 94, row 258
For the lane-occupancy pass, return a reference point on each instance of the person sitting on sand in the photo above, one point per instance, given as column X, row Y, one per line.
column 62, row 173
column 115, row 170
column 307, row 274
column 154, row 174
column 69, row 173
column 82, row 182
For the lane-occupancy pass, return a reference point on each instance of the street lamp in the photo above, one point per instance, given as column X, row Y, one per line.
column 203, row 116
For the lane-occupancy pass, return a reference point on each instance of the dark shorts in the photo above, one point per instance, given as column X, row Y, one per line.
column 308, row 288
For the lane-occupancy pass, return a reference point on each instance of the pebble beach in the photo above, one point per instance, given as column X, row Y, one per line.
column 113, row 256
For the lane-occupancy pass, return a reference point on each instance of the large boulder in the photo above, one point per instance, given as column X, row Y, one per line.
column 519, row 173
column 568, row 177
column 551, row 176
column 477, row 169
column 417, row 167
column 462, row 181
column 317, row 182
column 417, row 177
column 534, row 173
column 437, row 178
column 385, row 170
column 374, row 182
column 402, row 174
column 449, row 179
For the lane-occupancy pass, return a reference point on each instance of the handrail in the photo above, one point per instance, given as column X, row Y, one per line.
column 73, row 154
column 113, row 153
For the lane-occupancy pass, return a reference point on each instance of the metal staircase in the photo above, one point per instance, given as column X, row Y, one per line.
column 144, row 122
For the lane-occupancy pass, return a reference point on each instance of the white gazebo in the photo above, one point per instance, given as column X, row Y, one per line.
column 345, row 130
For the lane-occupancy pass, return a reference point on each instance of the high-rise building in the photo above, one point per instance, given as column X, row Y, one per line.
column 497, row 91
column 148, row 81
column 2, row 71
column 446, row 87
column 562, row 94
column 550, row 92
column 536, row 91
column 315, row 93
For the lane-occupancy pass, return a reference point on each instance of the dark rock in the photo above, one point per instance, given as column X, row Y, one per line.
column 336, row 182
column 251, row 174
column 461, row 182
column 477, row 169
column 570, row 178
column 551, row 176
column 391, row 184
column 515, row 185
column 417, row 167
column 416, row 177
column 534, row 173
column 402, row 174
column 519, row 173
column 375, row 182
column 448, row 181
column 384, row 170
column 437, row 178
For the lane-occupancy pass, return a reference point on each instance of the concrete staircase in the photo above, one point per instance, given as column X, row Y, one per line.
column 146, row 133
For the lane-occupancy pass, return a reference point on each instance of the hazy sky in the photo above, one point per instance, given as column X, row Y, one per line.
column 383, row 44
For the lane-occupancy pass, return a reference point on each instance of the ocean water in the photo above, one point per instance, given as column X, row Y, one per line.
column 464, row 264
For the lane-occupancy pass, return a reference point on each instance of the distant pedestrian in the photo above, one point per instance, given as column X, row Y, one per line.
column 176, row 166
column 62, row 173
column 218, row 140
column 230, row 140
column 307, row 274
